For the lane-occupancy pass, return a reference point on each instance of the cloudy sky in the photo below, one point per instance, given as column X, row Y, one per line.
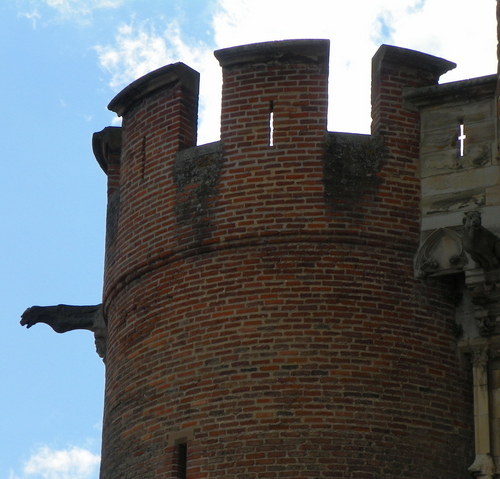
column 62, row 61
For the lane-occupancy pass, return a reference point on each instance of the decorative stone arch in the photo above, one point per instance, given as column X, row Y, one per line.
column 441, row 254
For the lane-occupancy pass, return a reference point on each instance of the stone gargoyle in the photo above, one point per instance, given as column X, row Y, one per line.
column 481, row 244
column 63, row 318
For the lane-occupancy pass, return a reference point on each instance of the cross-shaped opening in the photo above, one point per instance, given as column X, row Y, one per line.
column 461, row 138
column 271, row 123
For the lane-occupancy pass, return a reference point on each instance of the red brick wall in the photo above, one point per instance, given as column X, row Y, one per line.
column 276, row 332
column 159, row 119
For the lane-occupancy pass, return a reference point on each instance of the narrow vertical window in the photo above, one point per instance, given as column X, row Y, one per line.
column 180, row 459
column 143, row 157
column 461, row 138
column 271, row 123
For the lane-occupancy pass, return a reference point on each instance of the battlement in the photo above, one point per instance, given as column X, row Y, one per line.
column 274, row 94
column 274, row 148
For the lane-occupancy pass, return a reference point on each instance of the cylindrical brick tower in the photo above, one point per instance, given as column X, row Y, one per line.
column 263, row 317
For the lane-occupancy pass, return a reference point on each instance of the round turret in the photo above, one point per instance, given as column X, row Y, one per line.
column 262, row 313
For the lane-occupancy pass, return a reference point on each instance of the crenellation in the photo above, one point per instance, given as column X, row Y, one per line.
column 273, row 76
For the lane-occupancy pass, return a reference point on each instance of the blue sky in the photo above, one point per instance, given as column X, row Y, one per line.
column 62, row 61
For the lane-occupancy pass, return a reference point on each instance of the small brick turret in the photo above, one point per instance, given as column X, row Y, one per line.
column 263, row 316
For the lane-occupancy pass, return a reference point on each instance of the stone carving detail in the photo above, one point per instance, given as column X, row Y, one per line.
column 486, row 324
column 483, row 288
column 483, row 466
column 480, row 356
column 440, row 254
column 63, row 318
column 482, row 245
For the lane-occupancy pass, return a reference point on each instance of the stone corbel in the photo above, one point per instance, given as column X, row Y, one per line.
column 107, row 145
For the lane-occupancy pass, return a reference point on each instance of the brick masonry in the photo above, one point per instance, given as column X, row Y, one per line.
column 258, row 316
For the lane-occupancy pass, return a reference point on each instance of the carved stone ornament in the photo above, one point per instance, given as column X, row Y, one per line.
column 483, row 287
column 483, row 466
column 486, row 324
column 482, row 245
column 63, row 318
column 480, row 356
column 440, row 254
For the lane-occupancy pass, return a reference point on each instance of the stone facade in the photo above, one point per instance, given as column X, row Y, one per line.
column 459, row 178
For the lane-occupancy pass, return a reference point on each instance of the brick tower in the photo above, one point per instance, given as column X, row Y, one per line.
column 263, row 316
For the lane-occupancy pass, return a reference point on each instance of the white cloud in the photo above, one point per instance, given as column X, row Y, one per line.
column 454, row 31
column 33, row 15
column 79, row 11
column 460, row 32
column 352, row 32
column 69, row 8
column 138, row 49
column 73, row 463
column 143, row 47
